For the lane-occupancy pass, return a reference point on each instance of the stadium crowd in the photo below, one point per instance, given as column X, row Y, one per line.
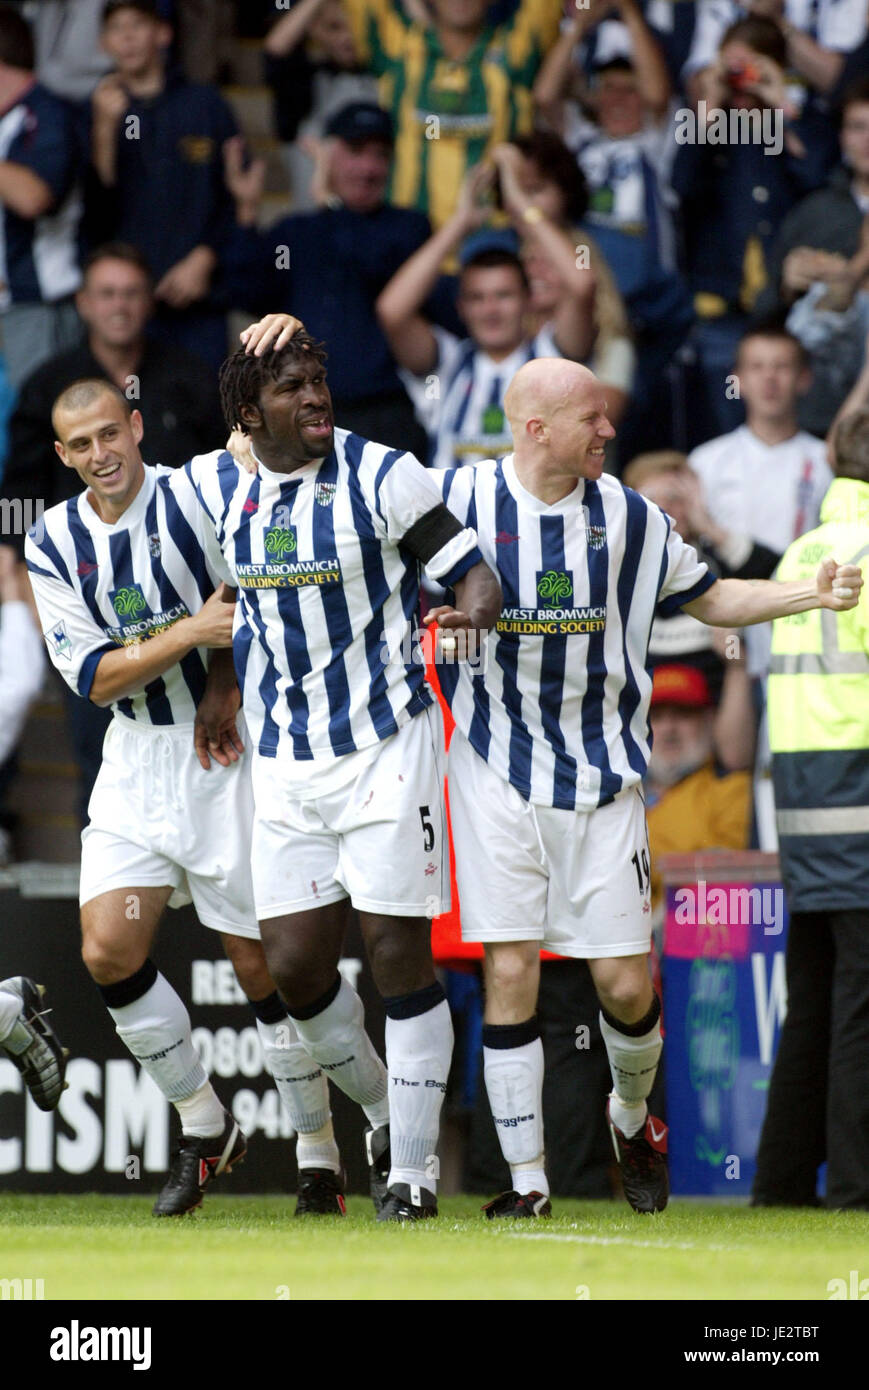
column 674, row 193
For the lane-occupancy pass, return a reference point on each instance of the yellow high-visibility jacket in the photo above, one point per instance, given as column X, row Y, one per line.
column 818, row 704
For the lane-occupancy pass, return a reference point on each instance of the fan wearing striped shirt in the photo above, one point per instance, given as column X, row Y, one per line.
column 551, row 745
column 133, row 617
column 325, row 543
column 456, row 384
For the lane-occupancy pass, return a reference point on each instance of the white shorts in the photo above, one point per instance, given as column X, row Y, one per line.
column 158, row 819
column 568, row 879
column 378, row 836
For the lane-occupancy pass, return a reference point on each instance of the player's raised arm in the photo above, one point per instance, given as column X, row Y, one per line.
column 741, row 602
column 399, row 307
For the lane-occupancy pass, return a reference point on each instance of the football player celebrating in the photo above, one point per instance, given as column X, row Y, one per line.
column 324, row 544
column 130, row 604
column 553, row 739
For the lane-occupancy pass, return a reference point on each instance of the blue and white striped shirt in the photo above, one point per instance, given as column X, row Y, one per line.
column 325, row 651
column 561, row 708
column 460, row 403
column 100, row 586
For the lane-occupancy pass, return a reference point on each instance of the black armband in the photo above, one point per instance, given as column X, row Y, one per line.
column 431, row 533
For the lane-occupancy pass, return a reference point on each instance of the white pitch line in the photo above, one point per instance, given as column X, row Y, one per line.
column 616, row 1240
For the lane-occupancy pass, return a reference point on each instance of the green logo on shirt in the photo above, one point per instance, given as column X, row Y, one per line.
column 129, row 602
column 280, row 542
column 555, row 584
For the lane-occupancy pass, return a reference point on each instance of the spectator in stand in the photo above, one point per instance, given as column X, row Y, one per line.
column 22, row 667
column 625, row 148
column 178, row 398
column 813, row 40
column 329, row 266
column 158, row 151
column 832, row 322
column 734, row 197
column 698, row 786
column 312, row 67
column 40, row 208
column 456, row 86
column 819, row 36
column 607, row 35
column 174, row 390
column 819, row 245
column 550, row 180
column 458, row 385
column 667, row 479
column 767, row 478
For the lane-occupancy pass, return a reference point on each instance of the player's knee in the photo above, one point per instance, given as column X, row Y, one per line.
column 627, row 997
column 400, row 961
column 106, row 960
column 511, row 971
column 300, row 983
column 249, row 963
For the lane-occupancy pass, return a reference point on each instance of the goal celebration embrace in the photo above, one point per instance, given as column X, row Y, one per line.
column 543, row 734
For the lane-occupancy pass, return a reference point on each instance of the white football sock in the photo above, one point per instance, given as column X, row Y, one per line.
column 514, row 1084
column 304, row 1092
column 318, row 1149
column 202, row 1114
column 156, row 1030
column 627, row 1118
column 633, row 1063
column 530, row 1177
column 418, row 1054
column 336, row 1039
column 10, row 1008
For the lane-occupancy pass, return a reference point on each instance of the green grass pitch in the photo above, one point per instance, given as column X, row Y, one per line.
column 93, row 1247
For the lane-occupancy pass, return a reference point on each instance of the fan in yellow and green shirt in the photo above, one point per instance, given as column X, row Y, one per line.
column 449, row 113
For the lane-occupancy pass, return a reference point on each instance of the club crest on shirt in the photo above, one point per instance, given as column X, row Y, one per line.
column 155, row 549
column 59, row 639
column 595, row 535
column 324, row 493
column 280, row 541
column 129, row 601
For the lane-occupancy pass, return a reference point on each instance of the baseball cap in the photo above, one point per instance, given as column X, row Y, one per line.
column 680, row 685
column 361, row 120
column 488, row 239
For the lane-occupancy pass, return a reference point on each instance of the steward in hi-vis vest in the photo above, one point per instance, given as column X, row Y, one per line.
column 819, row 719
column 818, row 706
